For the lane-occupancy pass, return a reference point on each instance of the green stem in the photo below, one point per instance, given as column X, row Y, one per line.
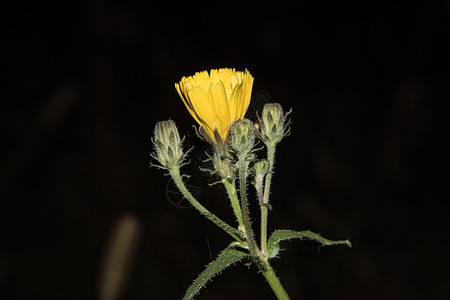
column 270, row 162
column 232, row 194
column 265, row 204
column 274, row 282
column 244, row 205
column 175, row 173
column 263, row 208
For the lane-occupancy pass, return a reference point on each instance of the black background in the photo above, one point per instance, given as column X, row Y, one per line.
column 84, row 83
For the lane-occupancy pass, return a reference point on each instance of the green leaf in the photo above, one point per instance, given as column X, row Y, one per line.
column 273, row 245
column 228, row 257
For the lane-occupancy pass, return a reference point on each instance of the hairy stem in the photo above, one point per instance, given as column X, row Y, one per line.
column 232, row 194
column 175, row 173
column 265, row 205
column 264, row 213
column 274, row 282
column 270, row 162
column 244, row 205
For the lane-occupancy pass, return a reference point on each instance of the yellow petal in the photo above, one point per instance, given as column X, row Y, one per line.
column 200, row 105
column 247, row 93
column 216, row 99
column 187, row 103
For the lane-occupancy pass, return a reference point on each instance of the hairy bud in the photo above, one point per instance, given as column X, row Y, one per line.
column 242, row 136
column 167, row 145
column 272, row 123
column 260, row 169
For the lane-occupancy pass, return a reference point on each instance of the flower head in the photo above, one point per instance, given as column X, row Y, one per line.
column 242, row 136
column 273, row 124
column 217, row 99
column 167, row 144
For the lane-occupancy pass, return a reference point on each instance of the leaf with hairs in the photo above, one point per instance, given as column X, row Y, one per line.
column 226, row 258
column 273, row 245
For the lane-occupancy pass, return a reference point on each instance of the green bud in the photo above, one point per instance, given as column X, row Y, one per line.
column 242, row 136
column 223, row 165
column 167, row 144
column 272, row 123
column 260, row 168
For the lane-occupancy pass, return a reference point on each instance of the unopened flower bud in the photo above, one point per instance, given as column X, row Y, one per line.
column 272, row 123
column 167, row 143
column 223, row 165
column 242, row 136
column 260, row 168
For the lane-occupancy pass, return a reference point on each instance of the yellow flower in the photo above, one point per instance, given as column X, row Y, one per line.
column 217, row 99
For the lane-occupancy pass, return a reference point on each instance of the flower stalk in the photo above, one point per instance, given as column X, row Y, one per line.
column 242, row 141
column 272, row 129
column 176, row 176
column 232, row 194
column 264, row 207
column 245, row 212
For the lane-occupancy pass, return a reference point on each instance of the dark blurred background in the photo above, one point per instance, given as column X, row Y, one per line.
column 84, row 83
